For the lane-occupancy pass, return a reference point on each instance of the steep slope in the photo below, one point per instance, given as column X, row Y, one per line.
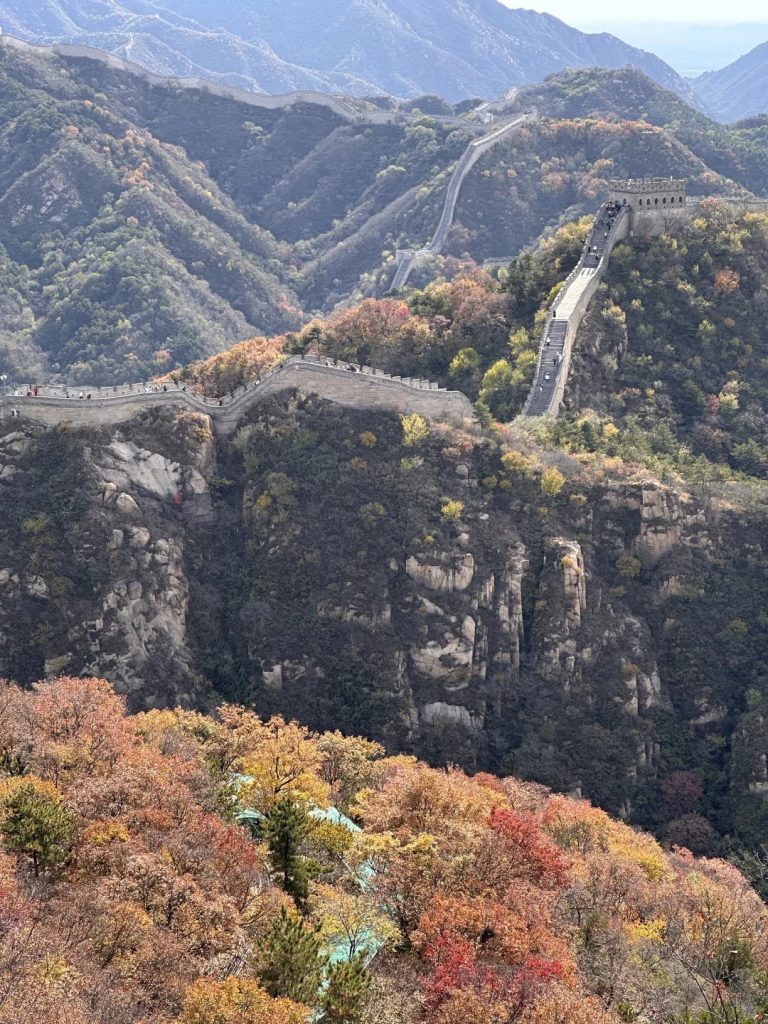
column 476, row 599
column 137, row 239
column 473, row 48
column 682, row 329
column 739, row 89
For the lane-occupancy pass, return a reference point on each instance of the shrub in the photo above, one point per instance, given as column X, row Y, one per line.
column 629, row 567
column 235, row 1000
column 372, row 513
column 552, row 482
column 452, row 510
column 415, row 429
column 466, row 361
column 368, row 439
column 738, row 627
column 38, row 826
column 515, row 462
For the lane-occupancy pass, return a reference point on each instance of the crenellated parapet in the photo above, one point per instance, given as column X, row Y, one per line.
column 346, row 384
column 653, row 194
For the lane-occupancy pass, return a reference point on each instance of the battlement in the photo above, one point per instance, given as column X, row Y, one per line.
column 637, row 186
column 347, row 384
column 649, row 193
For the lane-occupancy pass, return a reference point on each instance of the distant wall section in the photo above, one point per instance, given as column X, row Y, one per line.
column 338, row 104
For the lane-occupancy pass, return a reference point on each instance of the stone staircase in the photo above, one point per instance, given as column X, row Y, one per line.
column 567, row 312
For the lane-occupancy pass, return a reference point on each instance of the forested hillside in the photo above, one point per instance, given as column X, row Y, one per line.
column 143, row 227
column 675, row 352
column 549, row 602
column 173, row 868
column 318, row 711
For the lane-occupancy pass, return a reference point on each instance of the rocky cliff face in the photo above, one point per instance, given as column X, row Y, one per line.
column 96, row 533
column 598, row 639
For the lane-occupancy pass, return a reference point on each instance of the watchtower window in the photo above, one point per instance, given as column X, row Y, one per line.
column 656, row 202
column 681, row 199
column 664, row 201
column 672, row 199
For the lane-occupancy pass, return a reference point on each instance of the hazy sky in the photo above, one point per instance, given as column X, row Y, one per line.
column 577, row 12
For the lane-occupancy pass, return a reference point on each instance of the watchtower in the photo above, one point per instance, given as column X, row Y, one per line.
column 654, row 203
column 649, row 194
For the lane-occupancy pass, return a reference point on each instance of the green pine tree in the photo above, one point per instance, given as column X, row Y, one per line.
column 346, row 993
column 38, row 826
column 285, row 829
column 289, row 960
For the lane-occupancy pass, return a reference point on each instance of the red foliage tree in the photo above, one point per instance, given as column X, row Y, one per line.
column 524, row 842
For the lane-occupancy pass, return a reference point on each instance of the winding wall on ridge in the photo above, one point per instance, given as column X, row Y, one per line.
column 346, row 384
column 338, row 104
column 408, row 258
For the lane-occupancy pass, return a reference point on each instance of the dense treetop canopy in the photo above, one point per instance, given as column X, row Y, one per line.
column 130, row 892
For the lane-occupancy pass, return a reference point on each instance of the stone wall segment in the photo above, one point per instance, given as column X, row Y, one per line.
column 346, row 384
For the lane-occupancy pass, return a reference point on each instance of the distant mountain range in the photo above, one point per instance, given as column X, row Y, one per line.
column 454, row 48
column 739, row 90
column 691, row 47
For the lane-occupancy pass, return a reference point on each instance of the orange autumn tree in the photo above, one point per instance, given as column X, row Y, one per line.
column 226, row 371
column 237, row 1001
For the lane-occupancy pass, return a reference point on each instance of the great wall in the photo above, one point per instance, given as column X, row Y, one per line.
column 476, row 120
column 647, row 205
column 650, row 205
column 565, row 316
column 408, row 259
column 346, row 384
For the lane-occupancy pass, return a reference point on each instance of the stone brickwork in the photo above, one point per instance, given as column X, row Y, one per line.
column 646, row 222
column 347, row 384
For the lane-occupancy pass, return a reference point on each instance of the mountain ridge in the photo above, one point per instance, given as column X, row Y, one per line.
column 738, row 90
column 474, row 48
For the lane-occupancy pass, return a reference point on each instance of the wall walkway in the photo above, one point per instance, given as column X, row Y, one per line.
column 408, row 259
column 567, row 312
column 347, row 384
